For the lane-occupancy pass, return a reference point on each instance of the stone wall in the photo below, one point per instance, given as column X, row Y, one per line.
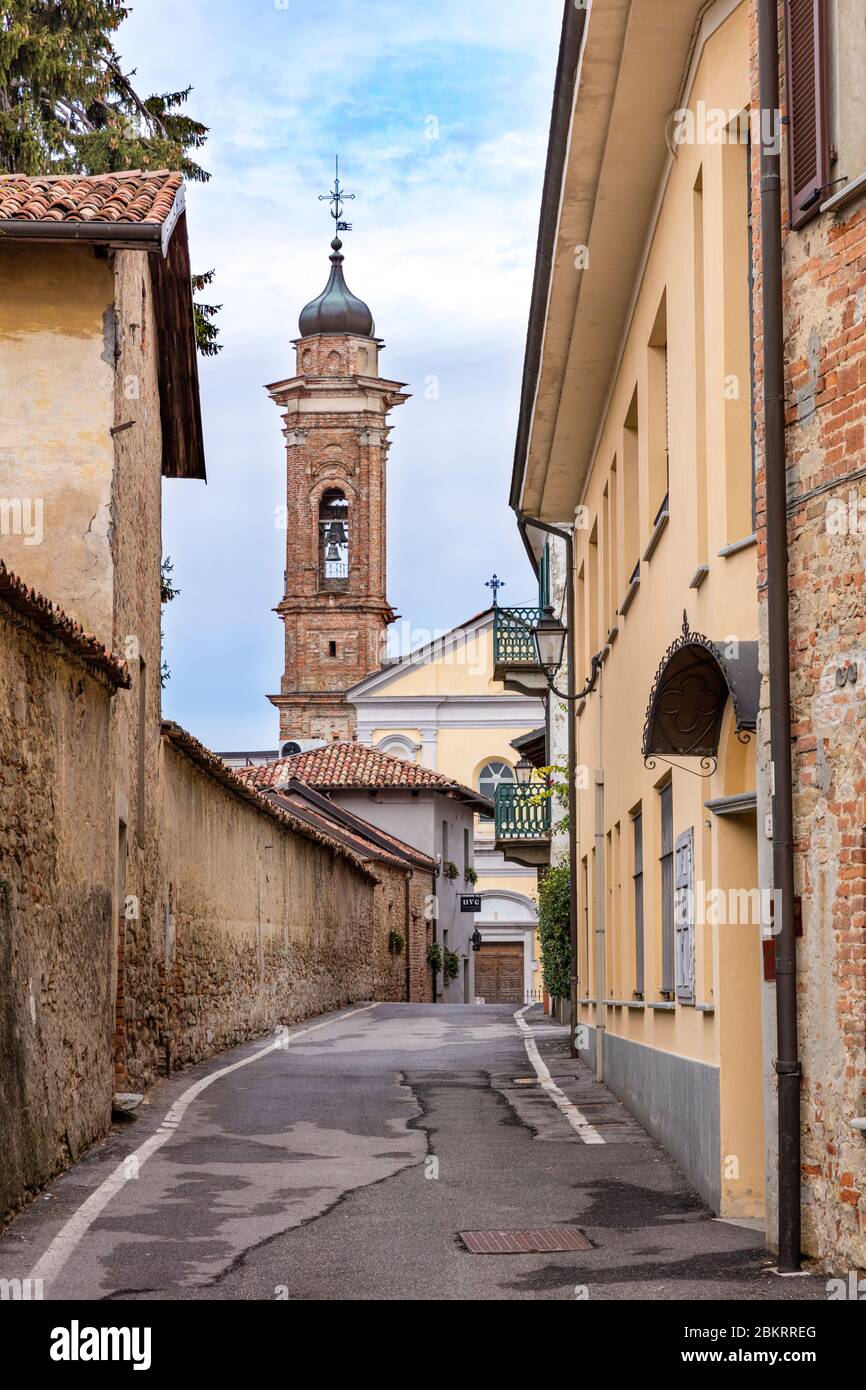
column 56, row 904
column 825, row 357
column 263, row 924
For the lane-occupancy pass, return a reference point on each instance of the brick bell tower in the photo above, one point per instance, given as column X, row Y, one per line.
column 335, row 423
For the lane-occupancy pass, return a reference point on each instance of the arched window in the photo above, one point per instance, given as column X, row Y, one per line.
column 333, row 539
column 492, row 775
column 399, row 747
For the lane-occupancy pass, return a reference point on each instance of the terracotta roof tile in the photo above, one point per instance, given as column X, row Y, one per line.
column 54, row 621
column 302, row 795
column 354, row 765
column 214, row 766
column 131, row 197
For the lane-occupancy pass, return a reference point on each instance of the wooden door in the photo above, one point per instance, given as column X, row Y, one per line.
column 499, row 973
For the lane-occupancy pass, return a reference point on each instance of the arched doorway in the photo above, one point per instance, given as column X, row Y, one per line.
column 505, row 964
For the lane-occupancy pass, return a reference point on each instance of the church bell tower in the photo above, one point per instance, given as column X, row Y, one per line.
column 335, row 423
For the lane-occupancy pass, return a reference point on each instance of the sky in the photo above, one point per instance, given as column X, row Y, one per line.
column 439, row 110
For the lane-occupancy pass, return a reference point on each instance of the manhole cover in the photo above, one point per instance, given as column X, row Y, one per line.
column 542, row 1241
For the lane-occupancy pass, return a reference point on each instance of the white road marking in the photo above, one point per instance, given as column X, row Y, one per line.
column 578, row 1121
column 63, row 1244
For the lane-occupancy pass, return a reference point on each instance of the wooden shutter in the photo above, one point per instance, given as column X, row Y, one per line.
column 684, row 917
column 808, row 138
column 667, row 875
column 544, row 577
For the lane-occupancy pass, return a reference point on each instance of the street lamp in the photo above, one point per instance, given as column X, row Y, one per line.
column 523, row 772
column 550, row 634
column 550, row 637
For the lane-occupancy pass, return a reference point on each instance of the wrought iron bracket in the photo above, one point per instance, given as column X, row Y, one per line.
column 710, row 765
column 587, row 689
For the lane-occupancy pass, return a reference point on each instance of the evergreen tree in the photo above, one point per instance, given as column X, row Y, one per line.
column 67, row 106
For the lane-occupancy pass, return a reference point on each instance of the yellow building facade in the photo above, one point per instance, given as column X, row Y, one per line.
column 440, row 706
column 635, row 439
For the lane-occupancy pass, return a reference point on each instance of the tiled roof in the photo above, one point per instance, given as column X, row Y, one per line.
column 301, row 795
column 214, row 767
column 133, row 197
column 354, row 765
column 351, row 837
column 54, row 621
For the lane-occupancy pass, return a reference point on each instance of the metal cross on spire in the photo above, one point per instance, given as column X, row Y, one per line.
column 337, row 197
column 495, row 584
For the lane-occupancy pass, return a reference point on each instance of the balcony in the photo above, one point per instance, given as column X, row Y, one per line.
column 515, row 660
column 523, row 825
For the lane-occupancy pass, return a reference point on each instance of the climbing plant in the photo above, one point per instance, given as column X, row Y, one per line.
column 553, row 931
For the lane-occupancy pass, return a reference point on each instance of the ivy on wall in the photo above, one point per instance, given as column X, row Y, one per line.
column 553, row 931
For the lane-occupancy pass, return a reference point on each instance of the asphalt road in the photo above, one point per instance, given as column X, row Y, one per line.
column 341, row 1161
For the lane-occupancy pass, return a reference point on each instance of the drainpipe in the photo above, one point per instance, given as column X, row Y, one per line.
column 599, row 905
column 787, row 1063
column 571, row 650
column 409, row 873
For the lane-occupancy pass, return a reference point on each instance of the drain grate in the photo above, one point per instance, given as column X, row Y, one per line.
column 544, row 1240
column 525, row 1081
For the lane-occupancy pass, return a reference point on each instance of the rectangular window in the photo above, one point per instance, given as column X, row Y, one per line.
column 637, row 849
column 611, row 548
column 736, row 270
column 332, row 649
column 666, row 807
column 631, row 490
column 583, row 645
column 700, row 329
column 593, row 596
column 445, row 842
column 659, row 411
column 806, row 84
column 846, row 76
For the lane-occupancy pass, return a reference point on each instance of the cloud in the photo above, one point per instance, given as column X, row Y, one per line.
column 443, row 251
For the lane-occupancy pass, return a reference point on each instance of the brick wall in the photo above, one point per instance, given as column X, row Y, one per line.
column 825, row 360
column 343, row 445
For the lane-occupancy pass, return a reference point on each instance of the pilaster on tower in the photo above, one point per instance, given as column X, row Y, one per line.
column 335, row 412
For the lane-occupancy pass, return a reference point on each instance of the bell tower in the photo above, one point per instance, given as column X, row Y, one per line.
column 335, row 423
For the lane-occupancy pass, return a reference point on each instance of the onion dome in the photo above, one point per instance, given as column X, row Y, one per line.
column 337, row 310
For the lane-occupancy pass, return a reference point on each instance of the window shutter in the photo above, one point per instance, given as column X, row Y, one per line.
column 685, row 917
column 808, row 138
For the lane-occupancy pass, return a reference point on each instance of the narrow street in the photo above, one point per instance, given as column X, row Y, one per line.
column 341, row 1160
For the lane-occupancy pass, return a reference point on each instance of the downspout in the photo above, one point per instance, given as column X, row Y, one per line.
column 599, row 904
column 571, row 651
column 409, row 874
column 787, row 1063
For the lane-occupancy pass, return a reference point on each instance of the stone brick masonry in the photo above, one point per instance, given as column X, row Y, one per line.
column 335, row 426
column 825, row 352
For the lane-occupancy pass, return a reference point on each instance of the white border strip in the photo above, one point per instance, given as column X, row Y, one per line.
column 68, row 1237
column 578, row 1121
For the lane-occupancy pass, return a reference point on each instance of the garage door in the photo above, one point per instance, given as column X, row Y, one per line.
column 499, row 973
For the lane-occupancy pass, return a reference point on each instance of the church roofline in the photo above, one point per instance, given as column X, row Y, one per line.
column 421, row 655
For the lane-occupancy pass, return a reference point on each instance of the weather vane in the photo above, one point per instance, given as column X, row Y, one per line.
column 495, row 584
column 337, row 197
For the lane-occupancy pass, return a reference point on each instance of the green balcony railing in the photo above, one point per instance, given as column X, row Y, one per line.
column 513, row 640
column 519, row 813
